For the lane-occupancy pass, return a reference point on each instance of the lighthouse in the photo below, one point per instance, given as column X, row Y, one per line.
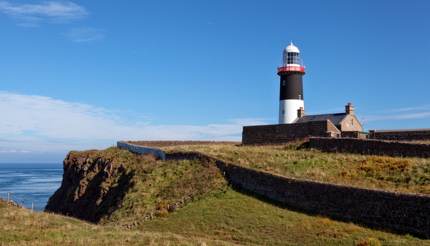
column 291, row 100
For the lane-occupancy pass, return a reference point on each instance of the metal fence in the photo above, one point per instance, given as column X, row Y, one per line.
column 19, row 200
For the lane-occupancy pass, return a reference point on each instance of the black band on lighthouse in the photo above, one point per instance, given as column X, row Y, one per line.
column 291, row 86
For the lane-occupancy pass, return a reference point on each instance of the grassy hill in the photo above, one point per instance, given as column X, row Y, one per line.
column 20, row 226
column 224, row 218
column 189, row 203
column 374, row 172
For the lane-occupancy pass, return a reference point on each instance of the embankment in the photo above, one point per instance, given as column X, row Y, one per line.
column 404, row 213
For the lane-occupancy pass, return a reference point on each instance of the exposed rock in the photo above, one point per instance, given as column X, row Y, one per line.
column 91, row 188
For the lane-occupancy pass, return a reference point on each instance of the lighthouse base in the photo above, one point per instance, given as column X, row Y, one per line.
column 288, row 110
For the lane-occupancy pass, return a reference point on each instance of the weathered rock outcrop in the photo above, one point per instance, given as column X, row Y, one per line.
column 115, row 186
column 91, row 188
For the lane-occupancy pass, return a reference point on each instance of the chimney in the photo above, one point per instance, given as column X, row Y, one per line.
column 349, row 109
column 300, row 112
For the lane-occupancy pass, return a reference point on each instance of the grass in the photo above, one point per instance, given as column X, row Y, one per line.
column 189, row 203
column 238, row 218
column 222, row 218
column 19, row 226
column 416, row 141
column 169, row 186
column 374, row 172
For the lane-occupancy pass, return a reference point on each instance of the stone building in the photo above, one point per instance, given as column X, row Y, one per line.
column 344, row 124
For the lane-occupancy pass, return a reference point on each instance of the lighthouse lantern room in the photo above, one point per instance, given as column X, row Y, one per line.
column 291, row 85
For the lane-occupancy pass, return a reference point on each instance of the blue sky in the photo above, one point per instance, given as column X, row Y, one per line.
column 83, row 74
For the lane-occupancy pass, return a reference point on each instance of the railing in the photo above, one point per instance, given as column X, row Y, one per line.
column 287, row 68
column 17, row 201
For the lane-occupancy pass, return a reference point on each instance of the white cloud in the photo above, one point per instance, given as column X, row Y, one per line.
column 85, row 34
column 407, row 113
column 43, row 124
column 31, row 14
column 391, row 117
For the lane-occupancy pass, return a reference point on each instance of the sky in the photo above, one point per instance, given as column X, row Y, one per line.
column 80, row 75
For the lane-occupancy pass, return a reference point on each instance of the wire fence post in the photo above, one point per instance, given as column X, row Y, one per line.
column 32, row 206
column 8, row 197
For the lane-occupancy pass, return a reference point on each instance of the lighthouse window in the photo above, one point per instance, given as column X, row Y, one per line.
column 293, row 58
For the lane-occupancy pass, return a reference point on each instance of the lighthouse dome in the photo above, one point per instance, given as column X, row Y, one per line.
column 291, row 48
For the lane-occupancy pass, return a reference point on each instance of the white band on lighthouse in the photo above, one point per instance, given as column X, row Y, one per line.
column 288, row 110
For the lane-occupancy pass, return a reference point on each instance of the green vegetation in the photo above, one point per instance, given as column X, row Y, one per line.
column 241, row 219
column 169, row 186
column 20, row 226
column 185, row 202
column 375, row 172
column 222, row 218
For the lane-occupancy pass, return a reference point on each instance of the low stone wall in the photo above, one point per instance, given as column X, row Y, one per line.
column 370, row 147
column 283, row 133
column 399, row 212
column 139, row 149
column 405, row 135
column 360, row 135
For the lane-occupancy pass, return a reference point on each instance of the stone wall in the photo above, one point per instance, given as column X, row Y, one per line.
column 405, row 135
column 354, row 134
column 370, row 147
column 282, row 133
column 399, row 212
column 143, row 150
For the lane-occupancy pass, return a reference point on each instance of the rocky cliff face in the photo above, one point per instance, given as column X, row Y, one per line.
column 118, row 187
column 92, row 187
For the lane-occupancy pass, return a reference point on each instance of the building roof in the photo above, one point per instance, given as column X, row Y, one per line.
column 334, row 118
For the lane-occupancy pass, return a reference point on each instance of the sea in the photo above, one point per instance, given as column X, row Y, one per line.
column 31, row 184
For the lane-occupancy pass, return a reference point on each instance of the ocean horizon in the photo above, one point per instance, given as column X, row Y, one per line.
column 30, row 184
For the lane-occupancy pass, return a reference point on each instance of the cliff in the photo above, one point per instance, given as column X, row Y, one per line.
column 116, row 186
column 92, row 186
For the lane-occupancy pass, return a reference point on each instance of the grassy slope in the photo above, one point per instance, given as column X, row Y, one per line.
column 389, row 173
column 213, row 213
column 218, row 219
column 242, row 219
column 19, row 226
column 168, row 187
